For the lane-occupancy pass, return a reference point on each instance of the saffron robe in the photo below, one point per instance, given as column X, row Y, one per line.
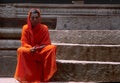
column 41, row 65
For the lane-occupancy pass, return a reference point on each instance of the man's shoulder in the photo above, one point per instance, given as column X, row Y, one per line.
column 25, row 26
column 43, row 25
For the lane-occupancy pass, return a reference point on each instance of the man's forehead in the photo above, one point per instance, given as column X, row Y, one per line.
column 34, row 14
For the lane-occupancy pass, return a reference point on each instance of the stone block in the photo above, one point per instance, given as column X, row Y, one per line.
column 88, row 23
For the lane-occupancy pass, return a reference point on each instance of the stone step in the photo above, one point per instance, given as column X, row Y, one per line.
column 72, row 70
column 9, row 44
column 8, row 53
column 67, row 51
column 109, row 37
column 10, row 33
column 87, row 71
column 12, row 80
column 19, row 22
column 106, row 37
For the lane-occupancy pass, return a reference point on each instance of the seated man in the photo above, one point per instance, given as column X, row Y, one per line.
column 36, row 58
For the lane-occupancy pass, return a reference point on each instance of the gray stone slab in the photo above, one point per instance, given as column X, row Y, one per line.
column 88, row 23
column 88, row 52
column 110, row 37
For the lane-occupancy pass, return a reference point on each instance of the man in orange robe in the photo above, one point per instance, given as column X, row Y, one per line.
column 36, row 58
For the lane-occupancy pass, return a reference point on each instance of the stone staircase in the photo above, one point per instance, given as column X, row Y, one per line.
column 83, row 55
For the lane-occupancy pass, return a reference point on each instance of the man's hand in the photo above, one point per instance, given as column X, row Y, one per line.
column 40, row 47
column 33, row 49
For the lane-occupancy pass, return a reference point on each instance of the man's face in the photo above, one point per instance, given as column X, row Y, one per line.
column 34, row 18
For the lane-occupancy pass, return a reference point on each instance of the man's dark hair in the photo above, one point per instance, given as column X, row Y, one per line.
column 35, row 11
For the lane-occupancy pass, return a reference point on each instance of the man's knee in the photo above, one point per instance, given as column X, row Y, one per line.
column 53, row 46
column 23, row 50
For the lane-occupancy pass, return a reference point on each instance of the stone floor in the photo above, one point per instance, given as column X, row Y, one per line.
column 12, row 80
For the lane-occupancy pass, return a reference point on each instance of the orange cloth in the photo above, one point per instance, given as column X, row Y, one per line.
column 41, row 65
